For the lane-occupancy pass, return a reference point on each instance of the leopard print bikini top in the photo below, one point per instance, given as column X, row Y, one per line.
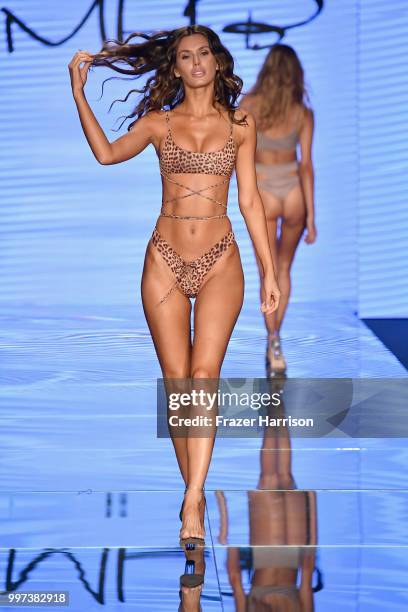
column 176, row 160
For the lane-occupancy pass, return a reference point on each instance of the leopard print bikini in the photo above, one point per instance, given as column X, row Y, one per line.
column 189, row 275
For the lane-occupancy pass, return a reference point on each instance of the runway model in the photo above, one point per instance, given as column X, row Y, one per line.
column 286, row 183
column 188, row 112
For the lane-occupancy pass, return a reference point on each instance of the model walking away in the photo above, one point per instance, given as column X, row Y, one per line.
column 284, row 120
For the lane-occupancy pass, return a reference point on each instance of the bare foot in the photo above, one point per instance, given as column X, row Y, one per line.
column 193, row 514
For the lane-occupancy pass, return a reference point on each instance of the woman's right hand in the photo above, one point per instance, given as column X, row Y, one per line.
column 77, row 73
column 311, row 232
column 272, row 294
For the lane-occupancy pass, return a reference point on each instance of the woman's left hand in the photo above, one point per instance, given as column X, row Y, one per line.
column 272, row 295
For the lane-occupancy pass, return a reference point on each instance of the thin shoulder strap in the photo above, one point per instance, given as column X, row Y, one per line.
column 168, row 120
column 231, row 126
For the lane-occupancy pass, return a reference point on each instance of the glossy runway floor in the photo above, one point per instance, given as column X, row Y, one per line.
column 90, row 497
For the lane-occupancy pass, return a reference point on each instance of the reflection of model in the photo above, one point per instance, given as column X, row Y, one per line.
column 192, row 581
column 282, row 532
column 192, row 252
column 282, row 538
column 277, row 101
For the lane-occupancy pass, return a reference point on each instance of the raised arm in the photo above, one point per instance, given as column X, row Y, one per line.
column 252, row 210
column 125, row 147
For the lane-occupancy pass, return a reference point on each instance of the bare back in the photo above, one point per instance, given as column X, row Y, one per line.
column 277, row 145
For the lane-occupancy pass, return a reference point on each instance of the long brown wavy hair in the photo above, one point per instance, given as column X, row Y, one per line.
column 158, row 53
column 279, row 87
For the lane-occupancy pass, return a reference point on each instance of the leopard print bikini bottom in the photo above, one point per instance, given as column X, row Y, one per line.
column 189, row 275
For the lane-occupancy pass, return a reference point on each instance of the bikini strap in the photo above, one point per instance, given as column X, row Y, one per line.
column 168, row 121
column 231, row 126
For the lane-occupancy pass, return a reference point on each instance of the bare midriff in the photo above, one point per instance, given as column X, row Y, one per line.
column 194, row 236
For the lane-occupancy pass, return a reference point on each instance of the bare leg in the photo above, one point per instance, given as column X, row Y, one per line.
column 169, row 325
column 293, row 225
column 292, row 211
column 276, row 451
column 215, row 312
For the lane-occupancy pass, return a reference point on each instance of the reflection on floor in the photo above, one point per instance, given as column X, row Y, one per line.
column 89, row 497
column 266, row 547
column 113, row 578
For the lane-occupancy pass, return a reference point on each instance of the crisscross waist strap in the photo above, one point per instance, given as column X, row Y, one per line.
column 193, row 217
column 194, row 191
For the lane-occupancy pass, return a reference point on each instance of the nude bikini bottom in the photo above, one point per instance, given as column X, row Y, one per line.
column 284, row 594
column 276, row 556
column 189, row 275
column 277, row 179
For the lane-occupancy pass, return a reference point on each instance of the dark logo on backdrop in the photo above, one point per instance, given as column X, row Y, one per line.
column 249, row 28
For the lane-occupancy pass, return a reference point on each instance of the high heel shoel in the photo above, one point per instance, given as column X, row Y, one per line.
column 274, row 355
